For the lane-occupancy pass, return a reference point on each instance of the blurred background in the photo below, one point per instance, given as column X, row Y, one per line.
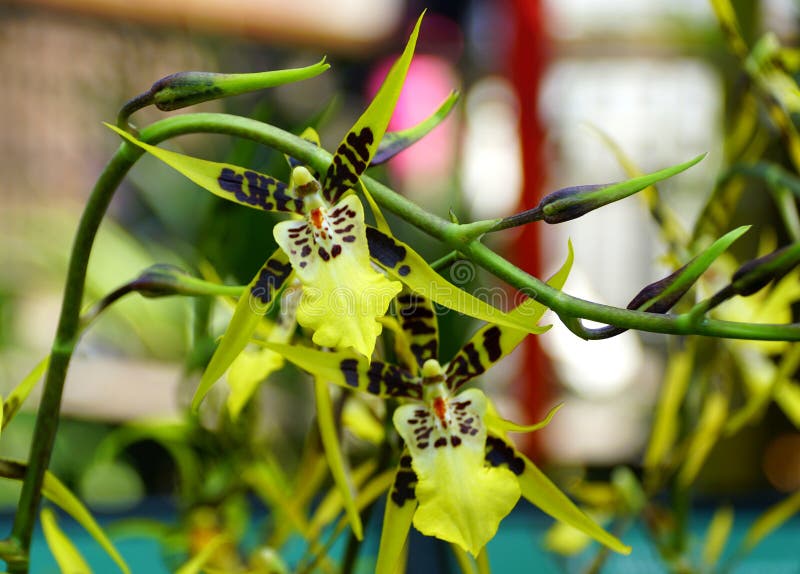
column 540, row 81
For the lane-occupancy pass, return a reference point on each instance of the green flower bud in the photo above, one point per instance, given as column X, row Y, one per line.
column 754, row 275
column 572, row 202
column 188, row 88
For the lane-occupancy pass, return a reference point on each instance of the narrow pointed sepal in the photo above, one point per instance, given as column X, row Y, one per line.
column 360, row 144
column 400, row 507
column 540, row 491
column 252, row 305
column 342, row 294
column 409, row 267
column 233, row 183
column 351, row 371
column 461, row 499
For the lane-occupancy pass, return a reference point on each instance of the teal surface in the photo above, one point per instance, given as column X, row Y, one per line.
column 516, row 549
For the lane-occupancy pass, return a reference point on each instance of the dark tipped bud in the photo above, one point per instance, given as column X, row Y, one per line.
column 572, row 202
column 188, row 88
column 754, row 275
column 162, row 280
column 659, row 294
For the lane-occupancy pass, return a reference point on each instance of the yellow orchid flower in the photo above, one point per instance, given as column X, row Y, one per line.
column 459, row 476
column 330, row 248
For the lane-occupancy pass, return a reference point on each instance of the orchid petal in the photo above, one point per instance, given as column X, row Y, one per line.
column 418, row 319
column 352, row 371
column 342, row 294
column 395, row 142
column 461, row 500
column 493, row 342
column 400, row 507
column 333, row 453
column 256, row 300
column 498, row 424
column 245, row 373
column 540, row 491
column 409, row 267
column 360, row 144
column 233, row 183
column 310, row 135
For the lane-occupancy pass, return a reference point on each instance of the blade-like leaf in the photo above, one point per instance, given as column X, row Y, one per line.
column 705, row 436
column 360, row 144
column 333, row 453
column 19, row 393
column 770, row 520
column 69, row 559
column 665, row 427
column 237, row 184
column 395, row 142
column 409, row 267
column 198, row 561
column 253, row 304
column 717, row 535
column 59, row 494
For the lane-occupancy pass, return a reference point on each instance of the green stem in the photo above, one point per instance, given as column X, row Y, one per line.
column 456, row 236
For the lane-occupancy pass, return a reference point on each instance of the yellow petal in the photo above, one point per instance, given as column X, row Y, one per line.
column 342, row 294
column 461, row 500
column 247, row 370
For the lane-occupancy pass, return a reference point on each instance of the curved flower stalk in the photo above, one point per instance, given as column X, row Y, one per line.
column 330, row 247
column 459, row 475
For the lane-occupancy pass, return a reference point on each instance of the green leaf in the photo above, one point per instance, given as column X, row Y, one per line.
column 770, row 520
column 189, row 88
column 717, row 535
column 19, row 393
column 333, row 453
column 333, row 502
column 237, row 184
column 409, row 267
column 705, row 436
column 395, row 142
column 360, row 144
column 198, row 561
column 665, row 427
column 59, row 494
column 253, row 304
column 67, row 556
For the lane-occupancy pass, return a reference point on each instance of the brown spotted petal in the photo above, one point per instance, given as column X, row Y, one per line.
column 461, row 499
column 343, row 296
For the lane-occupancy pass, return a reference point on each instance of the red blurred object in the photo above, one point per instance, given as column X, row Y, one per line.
column 528, row 62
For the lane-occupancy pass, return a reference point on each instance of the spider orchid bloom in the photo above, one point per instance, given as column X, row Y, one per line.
column 459, row 475
column 330, row 248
